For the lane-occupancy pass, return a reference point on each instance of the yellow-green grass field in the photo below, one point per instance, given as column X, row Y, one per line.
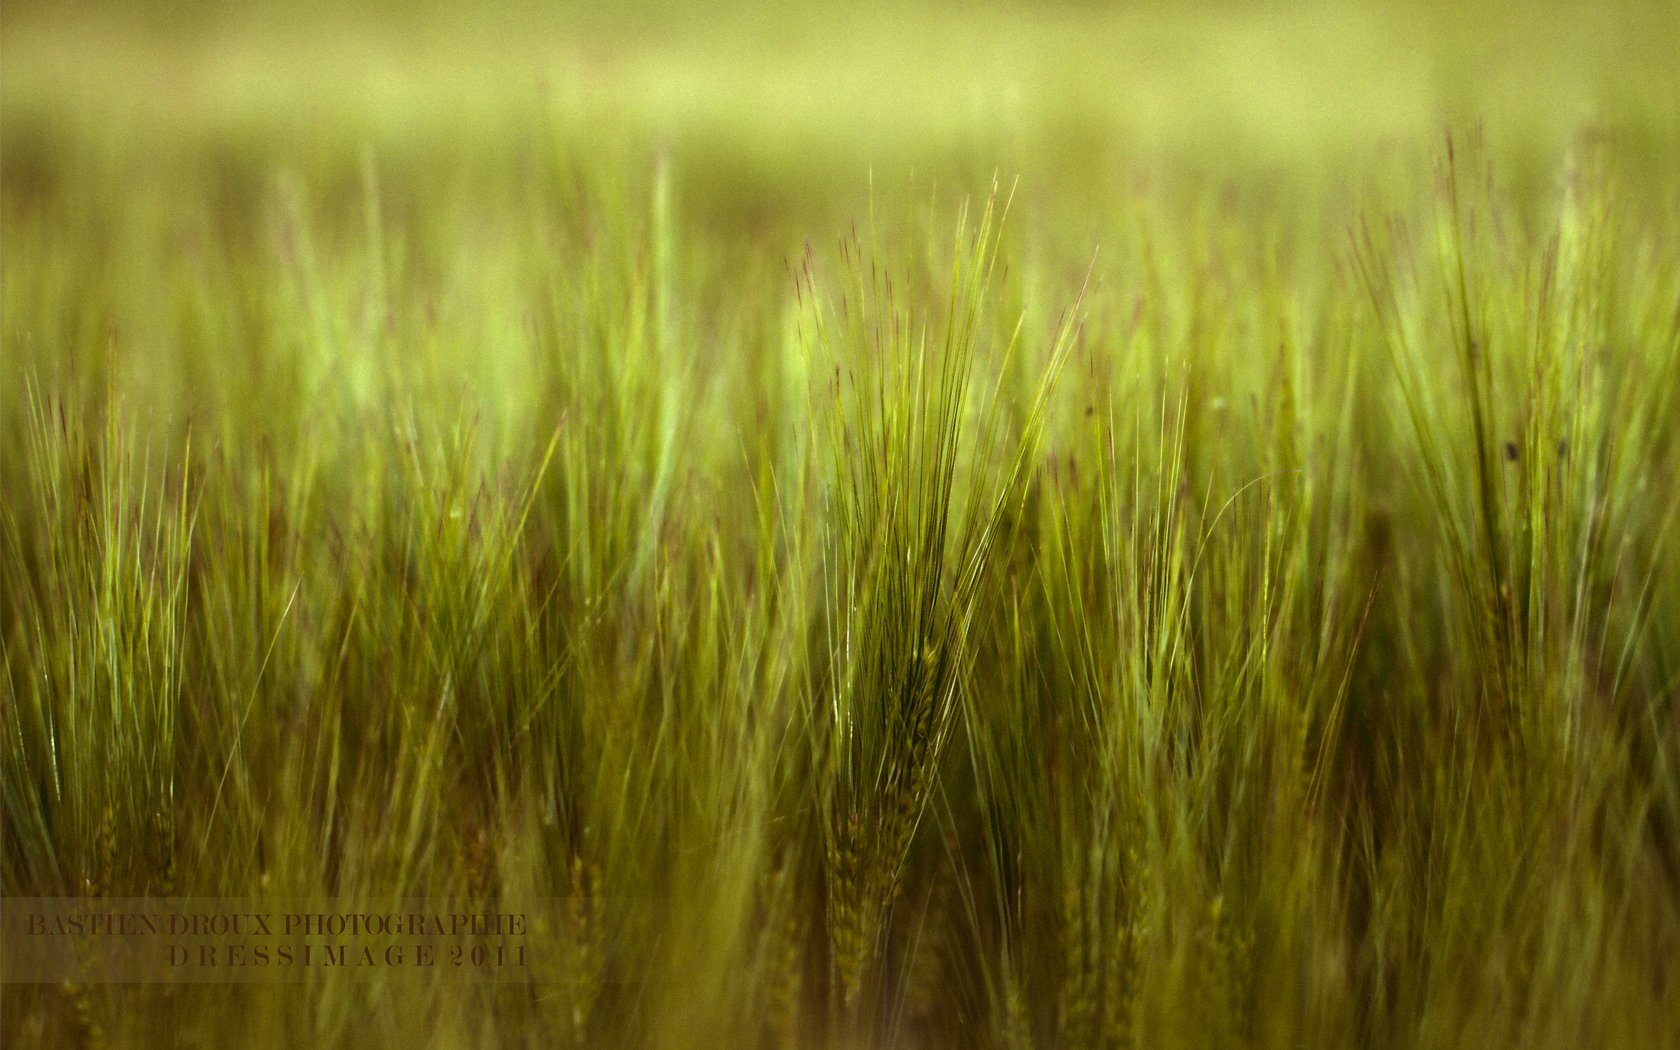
column 876, row 525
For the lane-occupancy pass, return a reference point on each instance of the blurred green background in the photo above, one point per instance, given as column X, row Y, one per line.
column 767, row 107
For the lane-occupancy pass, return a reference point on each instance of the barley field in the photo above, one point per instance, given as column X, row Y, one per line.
column 875, row 525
